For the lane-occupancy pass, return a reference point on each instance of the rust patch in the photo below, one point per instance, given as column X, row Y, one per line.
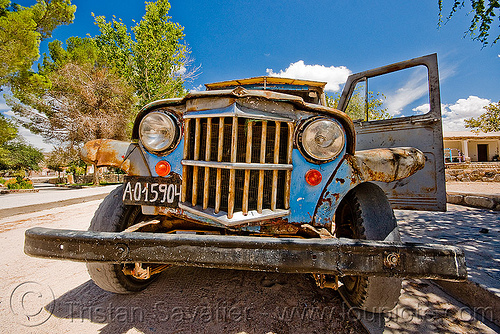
column 341, row 181
column 280, row 228
column 387, row 164
column 106, row 152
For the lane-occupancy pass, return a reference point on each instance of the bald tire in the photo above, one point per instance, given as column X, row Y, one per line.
column 365, row 213
column 113, row 216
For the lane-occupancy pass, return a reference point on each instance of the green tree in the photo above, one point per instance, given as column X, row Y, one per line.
column 83, row 102
column 8, row 130
column 15, row 154
column 154, row 59
column 485, row 14
column 356, row 109
column 488, row 121
column 61, row 157
column 23, row 28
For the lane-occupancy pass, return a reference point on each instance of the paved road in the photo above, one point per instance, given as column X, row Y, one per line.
column 48, row 197
column 48, row 194
column 191, row 300
column 460, row 226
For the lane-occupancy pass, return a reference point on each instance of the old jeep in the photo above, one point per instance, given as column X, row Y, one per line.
column 259, row 174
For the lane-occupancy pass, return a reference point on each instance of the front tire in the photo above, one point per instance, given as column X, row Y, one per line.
column 365, row 213
column 113, row 216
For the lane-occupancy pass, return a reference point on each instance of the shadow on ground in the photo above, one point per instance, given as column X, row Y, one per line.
column 197, row 300
column 477, row 231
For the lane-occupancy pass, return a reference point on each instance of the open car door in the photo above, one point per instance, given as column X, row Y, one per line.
column 425, row 190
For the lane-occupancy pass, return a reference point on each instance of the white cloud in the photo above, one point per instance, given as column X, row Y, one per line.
column 455, row 114
column 422, row 109
column 198, row 88
column 181, row 71
column 412, row 90
column 31, row 138
column 333, row 76
column 35, row 140
column 415, row 87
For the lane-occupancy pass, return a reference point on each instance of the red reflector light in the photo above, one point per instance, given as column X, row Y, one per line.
column 162, row 168
column 313, row 177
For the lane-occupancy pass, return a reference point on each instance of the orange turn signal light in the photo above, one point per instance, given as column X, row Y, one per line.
column 313, row 177
column 162, row 168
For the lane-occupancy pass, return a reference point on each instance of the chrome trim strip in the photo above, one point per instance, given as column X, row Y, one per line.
column 237, row 112
column 237, row 165
column 238, row 217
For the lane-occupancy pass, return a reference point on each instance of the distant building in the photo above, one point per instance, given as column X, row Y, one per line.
column 467, row 146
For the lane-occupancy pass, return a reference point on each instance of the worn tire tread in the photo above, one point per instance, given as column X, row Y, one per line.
column 374, row 220
column 109, row 218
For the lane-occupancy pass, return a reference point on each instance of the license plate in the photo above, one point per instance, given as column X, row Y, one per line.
column 154, row 191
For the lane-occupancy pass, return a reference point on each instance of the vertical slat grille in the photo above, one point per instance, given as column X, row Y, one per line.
column 229, row 141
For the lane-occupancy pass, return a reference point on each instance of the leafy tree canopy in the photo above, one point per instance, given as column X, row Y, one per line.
column 356, row 109
column 15, row 154
column 89, row 89
column 487, row 122
column 22, row 29
column 84, row 102
column 485, row 13
column 152, row 57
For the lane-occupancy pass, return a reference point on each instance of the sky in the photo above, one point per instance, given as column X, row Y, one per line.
column 324, row 41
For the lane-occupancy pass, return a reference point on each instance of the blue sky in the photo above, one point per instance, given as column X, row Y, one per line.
column 322, row 40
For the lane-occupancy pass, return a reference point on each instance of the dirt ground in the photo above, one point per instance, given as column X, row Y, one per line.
column 182, row 300
column 474, row 187
column 53, row 296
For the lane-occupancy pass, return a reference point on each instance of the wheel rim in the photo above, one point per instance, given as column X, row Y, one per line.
column 347, row 229
column 134, row 217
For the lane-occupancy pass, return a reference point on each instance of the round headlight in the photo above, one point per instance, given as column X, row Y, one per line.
column 158, row 131
column 323, row 139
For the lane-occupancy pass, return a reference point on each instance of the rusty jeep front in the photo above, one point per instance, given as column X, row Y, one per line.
column 238, row 186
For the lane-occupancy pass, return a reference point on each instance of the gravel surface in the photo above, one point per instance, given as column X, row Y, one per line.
column 474, row 187
column 182, row 300
column 59, row 297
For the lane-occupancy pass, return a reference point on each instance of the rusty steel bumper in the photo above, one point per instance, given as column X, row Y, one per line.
column 291, row 255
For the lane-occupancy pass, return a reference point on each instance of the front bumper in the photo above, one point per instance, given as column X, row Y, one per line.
column 291, row 255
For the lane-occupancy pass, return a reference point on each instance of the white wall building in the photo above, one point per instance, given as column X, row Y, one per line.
column 471, row 146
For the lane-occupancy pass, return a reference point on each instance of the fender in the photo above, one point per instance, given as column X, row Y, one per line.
column 382, row 164
column 127, row 156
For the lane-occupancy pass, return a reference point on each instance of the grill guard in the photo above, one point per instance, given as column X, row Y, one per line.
column 228, row 158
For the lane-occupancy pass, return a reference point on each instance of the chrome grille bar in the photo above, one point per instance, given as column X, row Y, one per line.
column 186, row 156
column 237, row 167
column 248, row 159
column 288, row 176
column 263, row 139
column 276, row 160
column 220, row 147
column 208, row 151
column 234, row 143
column 196, row 157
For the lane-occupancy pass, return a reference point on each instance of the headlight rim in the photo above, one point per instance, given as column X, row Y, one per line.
column 176, row 125
column 300, row 145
